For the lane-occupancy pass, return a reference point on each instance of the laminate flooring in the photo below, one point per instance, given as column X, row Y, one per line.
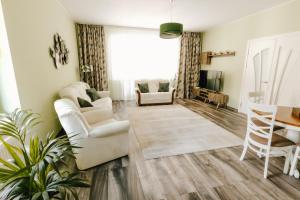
column 213, row 174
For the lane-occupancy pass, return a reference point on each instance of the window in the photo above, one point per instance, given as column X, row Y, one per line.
column 9, row 97
column 134, row 54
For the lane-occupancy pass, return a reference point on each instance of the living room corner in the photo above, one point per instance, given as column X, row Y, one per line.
column 140, row 99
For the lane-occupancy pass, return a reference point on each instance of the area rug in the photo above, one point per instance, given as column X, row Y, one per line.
column 170, row 130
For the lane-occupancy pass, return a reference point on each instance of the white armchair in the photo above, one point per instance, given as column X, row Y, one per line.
column 101, row 138
column 154, row 97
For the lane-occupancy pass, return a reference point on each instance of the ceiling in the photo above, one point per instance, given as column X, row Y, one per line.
column 196, row 15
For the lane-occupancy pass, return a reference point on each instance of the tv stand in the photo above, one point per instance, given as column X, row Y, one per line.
column 209, row 96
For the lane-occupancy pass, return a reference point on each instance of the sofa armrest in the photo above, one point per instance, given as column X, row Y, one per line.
column 137, row 90
column 138, row 96
column 173, row 91
column 103, row 94
column 109, row 129
column 96, row 115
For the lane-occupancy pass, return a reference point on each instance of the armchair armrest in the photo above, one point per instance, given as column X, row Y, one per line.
column 109, row 129
column 96, row 115
column 103, row 94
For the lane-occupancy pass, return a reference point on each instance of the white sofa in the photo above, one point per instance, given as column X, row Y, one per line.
column 78, row 89
column 101, row 139
column 154, row 97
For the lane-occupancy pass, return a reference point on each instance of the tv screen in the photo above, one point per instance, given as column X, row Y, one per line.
column 211, row 80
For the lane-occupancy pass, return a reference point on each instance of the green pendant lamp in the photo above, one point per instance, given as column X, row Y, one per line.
column 171, row 29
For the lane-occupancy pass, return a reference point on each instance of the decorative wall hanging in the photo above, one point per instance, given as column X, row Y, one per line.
column 59, row 52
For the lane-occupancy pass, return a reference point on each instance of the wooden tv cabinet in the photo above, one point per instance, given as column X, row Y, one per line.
column 211, row 96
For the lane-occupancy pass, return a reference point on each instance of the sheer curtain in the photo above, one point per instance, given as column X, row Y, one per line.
column 138, row 54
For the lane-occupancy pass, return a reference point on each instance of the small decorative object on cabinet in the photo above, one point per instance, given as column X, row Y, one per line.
column 207, row 56
column 296, row 112
column 59, row 52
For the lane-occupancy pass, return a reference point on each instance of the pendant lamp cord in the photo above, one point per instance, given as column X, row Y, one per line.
column 171, row 9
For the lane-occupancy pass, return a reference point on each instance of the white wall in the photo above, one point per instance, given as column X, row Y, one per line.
column 234, row 36
column 31, row 25
column 9, row 97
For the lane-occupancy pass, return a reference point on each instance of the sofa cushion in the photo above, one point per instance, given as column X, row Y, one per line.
column 83, row 103
column 143, row 87
column 156, row 97
column 163, row 87
column 103, row 103
column 93, row 94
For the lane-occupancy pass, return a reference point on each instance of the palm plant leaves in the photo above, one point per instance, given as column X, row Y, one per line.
column 33, row 172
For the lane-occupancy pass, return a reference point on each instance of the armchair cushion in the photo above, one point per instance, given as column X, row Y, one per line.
column 93, row 94
column 97, row 115
column 109, row 129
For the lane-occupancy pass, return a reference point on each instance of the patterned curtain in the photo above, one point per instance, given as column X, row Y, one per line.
column 90, row 39
column 189, row 64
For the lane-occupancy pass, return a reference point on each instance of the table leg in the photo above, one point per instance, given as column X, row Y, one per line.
column 295, row 137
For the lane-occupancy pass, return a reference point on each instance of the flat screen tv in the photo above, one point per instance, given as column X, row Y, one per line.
column 211, row 80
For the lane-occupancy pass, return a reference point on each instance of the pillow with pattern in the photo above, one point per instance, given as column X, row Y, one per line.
column 93, row 94
column 163, row 87
column 143, row 87
column 84, row 103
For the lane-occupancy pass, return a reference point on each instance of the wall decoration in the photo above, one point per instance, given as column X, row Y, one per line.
column 59, row 52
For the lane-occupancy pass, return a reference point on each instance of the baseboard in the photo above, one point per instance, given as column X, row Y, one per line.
column 232, row 109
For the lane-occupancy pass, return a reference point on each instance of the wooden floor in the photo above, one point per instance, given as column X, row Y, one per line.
column 214, row 174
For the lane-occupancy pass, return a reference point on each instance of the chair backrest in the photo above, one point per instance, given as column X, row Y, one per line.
column 71, row 119
column 74, row 90
column 257, row 97
column 153, row 84
column 261, row 119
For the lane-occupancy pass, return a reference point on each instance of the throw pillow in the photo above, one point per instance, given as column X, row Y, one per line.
column 143, row 87
column 84, row 103
column 163, row 87
column 93, row 94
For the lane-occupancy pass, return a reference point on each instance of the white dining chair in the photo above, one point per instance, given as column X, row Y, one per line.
column 257, row 97
column 261, row 139
column 295, row 160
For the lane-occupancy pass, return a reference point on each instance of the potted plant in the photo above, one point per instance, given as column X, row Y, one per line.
column 34, row 170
